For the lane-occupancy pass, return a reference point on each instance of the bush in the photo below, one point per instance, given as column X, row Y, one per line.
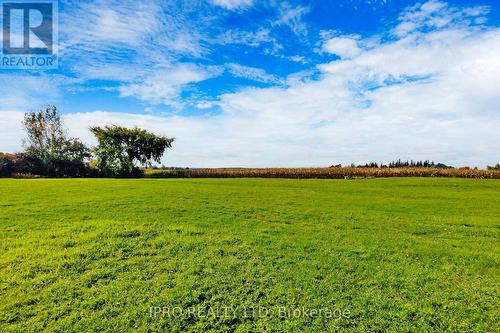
column 18, row 163
column 5, row 166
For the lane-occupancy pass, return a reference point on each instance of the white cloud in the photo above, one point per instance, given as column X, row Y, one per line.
column 250, row 38
column 428, row 95
column 436, row 14
column 344, row 47
column 122, row 39
column 298, row 58
column 255, row 39
column 28, row 92
column 205, row 105
column 165, row 86
column 291, row 16
column 259, row 38
column 110, row 22
column 233, row 4
column 12, row 134
column 252, row 73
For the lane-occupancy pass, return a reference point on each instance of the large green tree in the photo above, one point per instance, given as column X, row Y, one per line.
column 48, row 144
column 120, row 149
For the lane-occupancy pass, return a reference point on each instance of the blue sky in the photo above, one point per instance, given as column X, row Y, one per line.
column 276, row 83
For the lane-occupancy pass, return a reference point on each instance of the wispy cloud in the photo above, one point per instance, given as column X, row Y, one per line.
column 233, row 4
column 260, row 39
column 291, row 16
column 252, row 73
column 29, row 92
column 437, row 14
column 298, row 58
column 250, row 38
column 132, row 35
column 165, row 86
column 91, row 26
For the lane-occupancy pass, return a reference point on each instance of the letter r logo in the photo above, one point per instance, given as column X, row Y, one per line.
column 28, row 27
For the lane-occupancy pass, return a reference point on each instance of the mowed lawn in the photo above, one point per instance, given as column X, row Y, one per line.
column 398, row 254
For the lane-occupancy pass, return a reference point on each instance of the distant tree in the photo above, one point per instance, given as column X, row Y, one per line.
column 119, row 149
column 48, row 145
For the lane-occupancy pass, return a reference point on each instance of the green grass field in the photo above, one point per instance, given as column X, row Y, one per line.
column 389, row 254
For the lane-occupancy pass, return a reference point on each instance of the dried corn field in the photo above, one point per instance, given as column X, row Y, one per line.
column 323, row 173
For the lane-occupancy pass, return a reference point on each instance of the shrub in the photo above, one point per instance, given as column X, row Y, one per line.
column 17, row 163
column 5, row 166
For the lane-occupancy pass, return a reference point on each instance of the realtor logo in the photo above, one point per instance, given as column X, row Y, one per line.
column 29, row 34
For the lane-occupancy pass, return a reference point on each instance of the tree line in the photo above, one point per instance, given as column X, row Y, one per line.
column 404, row 164
column 48, row 151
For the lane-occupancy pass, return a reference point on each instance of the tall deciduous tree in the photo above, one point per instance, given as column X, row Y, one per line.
column 49, row 146
column 120, row 148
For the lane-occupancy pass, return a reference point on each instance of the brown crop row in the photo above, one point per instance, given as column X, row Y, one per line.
column 323, row 173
